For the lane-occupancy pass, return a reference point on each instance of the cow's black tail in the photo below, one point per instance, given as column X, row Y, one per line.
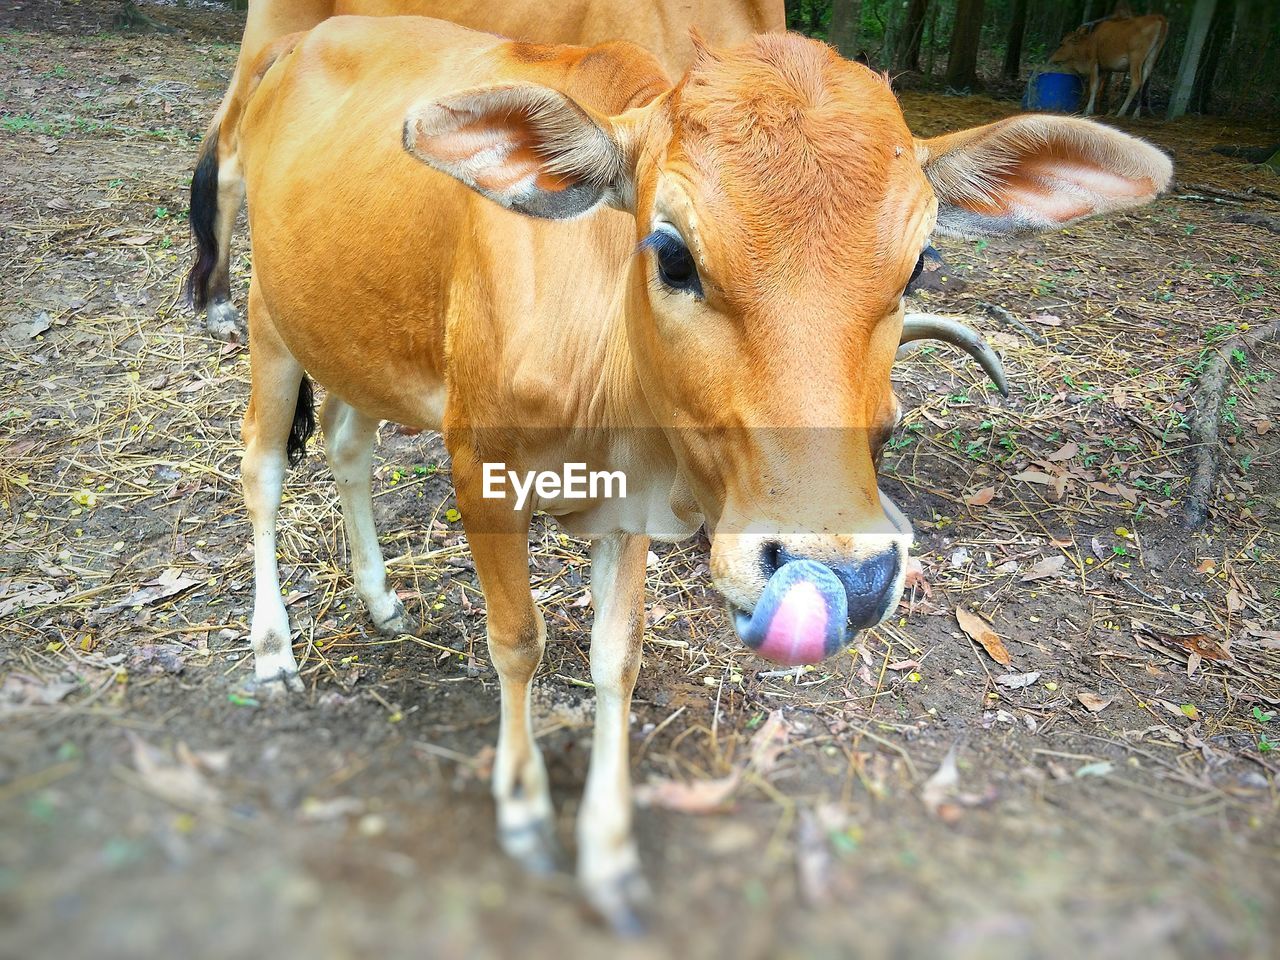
column 304, row 422
column 204, row 212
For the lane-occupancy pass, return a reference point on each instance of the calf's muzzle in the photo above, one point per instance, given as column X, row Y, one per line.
column 809, row 609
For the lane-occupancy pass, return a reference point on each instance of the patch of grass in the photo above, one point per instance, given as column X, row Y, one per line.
column 62, row 125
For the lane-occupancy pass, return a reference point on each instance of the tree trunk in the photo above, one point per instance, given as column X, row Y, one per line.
column 846, row 19
column 1013, row 45
column 1094, row 10
column 1207, row 76
column 912, row 32
column 962, row 63
column 888, row 43
column 1201, row 17
column 933, row 40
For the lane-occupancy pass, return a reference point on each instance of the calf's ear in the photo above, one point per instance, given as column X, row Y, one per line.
column 529, row 148
column 1037, row 172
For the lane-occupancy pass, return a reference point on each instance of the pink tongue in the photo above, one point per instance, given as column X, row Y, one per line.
column 797, row 633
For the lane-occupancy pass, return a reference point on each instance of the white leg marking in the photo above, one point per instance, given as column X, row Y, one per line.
column 608, row 865
column 1134, row 85
column 520, row 790
column 222, row 320
column 1095, row 81
column 349, row 437
column 262, row 474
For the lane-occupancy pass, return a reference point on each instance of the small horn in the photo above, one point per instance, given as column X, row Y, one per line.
column 930, row 326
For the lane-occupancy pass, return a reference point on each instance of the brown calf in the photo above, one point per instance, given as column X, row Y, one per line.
column 1117, row 43
column 553, row 256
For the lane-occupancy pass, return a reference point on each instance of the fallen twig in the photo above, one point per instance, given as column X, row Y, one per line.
column 1204, row 430
column 1003, row 316
column 1254, row 220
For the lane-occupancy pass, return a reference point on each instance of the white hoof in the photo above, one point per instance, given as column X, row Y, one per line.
column 389, row 616
column 223, row 322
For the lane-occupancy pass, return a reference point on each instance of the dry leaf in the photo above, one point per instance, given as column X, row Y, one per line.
column 701, row 796
column 769, row 742
column 981, row 631
column 982, row 497
column 1198, row 643
column 1234, row 601
column 940, row 786
column 1263, row 427
column 903, row 665
column 1092, row 701
column 1064, row 452
column 24, row 596
column 813, row 860
column 1016, row 681
column 915, row 577
column 39, row 325
column 20, row 689
column 1043, row 569
column 1048, row 319
column 1036, row 476
column 166, row 585
column 1206, row 566
column 178, row 781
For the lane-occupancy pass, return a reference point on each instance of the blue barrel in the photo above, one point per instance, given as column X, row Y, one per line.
column 1055, row 92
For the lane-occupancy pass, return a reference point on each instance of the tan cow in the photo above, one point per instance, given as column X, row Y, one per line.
column 554, row 257
column 1117, row 43
column 660, row 26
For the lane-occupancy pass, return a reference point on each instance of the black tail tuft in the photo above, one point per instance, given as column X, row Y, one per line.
column 304, row 422
column 204, row 210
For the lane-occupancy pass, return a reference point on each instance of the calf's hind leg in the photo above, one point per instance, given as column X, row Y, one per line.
column 276, row 381
column 221, row 318
column 1135, row 86
column 349, row 437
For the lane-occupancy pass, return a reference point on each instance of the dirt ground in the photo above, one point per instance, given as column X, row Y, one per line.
column 1111, row 791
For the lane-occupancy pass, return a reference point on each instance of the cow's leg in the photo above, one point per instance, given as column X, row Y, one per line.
column 499, row 539
column 608, row 866
column 349, row 436
column 221, row 319
column 1094, row 83
column 275, row 379
column 1135, row 84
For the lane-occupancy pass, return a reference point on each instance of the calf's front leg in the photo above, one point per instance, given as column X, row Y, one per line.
column 1095, row 80
column 608, row 865
column 499, row 539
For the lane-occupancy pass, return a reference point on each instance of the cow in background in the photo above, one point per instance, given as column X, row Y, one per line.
column 1114, row 44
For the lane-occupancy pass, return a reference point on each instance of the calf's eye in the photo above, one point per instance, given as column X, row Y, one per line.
column 676, row 269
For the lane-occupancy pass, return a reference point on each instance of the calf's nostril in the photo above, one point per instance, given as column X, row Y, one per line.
column 769, row 559
column 773, row 557
column 867, row 584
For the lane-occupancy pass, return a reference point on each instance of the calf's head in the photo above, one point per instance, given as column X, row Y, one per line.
column 781, row 208
column 1073, row 49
